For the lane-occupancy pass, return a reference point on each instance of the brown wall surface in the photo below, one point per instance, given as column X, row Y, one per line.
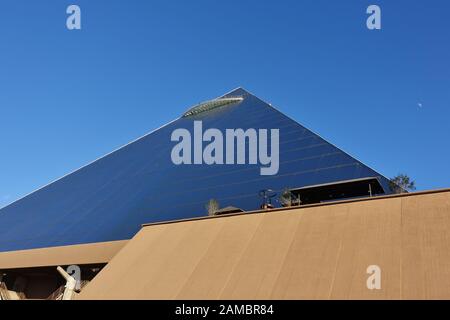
column 320, row 252
column 100, row 252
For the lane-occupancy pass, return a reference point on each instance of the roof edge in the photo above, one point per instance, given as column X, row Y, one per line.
column 91, row 253
column 374, row 198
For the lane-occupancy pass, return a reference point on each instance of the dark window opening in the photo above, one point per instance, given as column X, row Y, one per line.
column 360, row 188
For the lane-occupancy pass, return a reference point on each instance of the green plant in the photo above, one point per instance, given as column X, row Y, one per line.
column 286, row 198
column 212, row 207
column 402, row 183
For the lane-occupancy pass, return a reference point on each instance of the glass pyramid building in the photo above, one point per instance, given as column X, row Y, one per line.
column 112, row 197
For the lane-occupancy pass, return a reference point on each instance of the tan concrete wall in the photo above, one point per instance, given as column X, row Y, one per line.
column 321, row 252
column 101, row 252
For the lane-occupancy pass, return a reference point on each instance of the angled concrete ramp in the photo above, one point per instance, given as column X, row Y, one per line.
column 319, row 252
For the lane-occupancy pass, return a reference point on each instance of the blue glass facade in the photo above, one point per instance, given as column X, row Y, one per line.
column 110, row 198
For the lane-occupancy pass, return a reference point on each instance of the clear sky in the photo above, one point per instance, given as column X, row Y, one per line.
column 69, row 97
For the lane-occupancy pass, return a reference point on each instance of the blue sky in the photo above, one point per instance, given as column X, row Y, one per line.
column 69, row 97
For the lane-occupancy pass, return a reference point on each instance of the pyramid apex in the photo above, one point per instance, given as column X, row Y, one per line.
column 239, row 91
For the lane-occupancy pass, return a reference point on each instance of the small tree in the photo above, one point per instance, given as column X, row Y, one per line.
column 286, row 198
column 212, row 207
column 402, row 184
